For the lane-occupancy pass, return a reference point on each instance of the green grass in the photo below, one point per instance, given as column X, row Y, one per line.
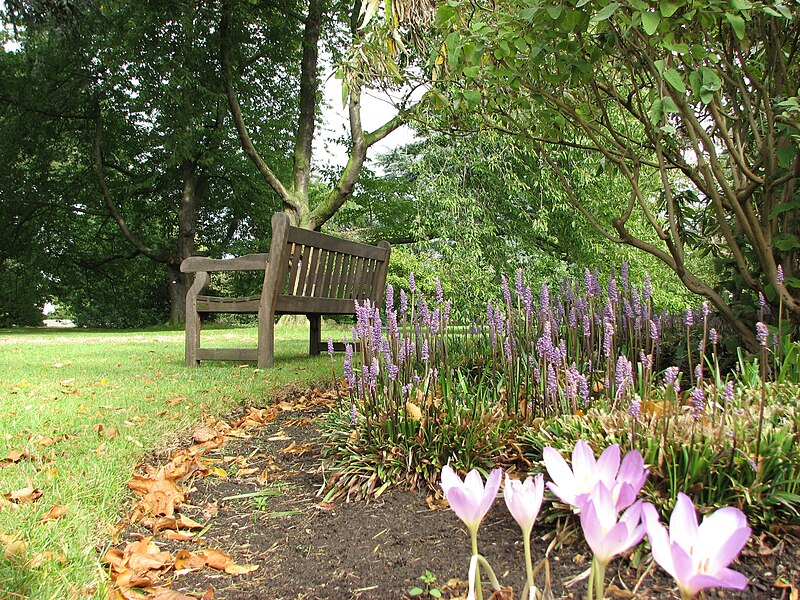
column 63, row 384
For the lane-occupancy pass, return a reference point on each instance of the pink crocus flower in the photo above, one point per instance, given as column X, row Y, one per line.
column 606, row 535
column 524, row 499
column 697, row 557
column 574, row 485
column 469, row 499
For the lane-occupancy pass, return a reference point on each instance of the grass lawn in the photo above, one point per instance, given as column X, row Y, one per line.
column 80, row 409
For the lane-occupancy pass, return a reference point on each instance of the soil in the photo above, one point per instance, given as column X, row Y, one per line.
column 309, row 549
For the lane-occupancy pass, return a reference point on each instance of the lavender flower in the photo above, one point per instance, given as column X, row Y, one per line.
column 624, row 275
column 671, row 378
column 518, row 284
column 762, row 333
column 613, row 293
column 698, row 371
column 655, row 332
column 403, row 302
column 647, row 290
column 330, row 346
column 623, row 375
column 507, row 347
column 636, row 300
column 506, row 289
column 698, row 403
column 552, row 381
column 713, row 335
column 353, row 416
column 527, row 301
column 779, row 275
column 583, row 388
column 689, row 318
column 608, row 338
column 762, row 302
column 635, row 406
column 706, row 309
column 389, row 297
column 412, row 283
column 544, row 300
column 393, row 372
column 425, row 351
column 439, row 292
column 727, row 393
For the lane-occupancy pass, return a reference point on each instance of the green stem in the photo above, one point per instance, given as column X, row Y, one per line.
column 526, row 536
column 478, row 590
column 590, row 586
column 601, row 576
column 490, row 572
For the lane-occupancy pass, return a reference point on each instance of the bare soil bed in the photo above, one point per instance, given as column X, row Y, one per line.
column 308, row 549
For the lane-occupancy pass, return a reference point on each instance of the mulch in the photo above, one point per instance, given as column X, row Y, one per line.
column 306, row 548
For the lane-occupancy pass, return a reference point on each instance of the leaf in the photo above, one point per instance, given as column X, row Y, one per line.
column 668, row 105
column 737, row 24
column 650, row 21
column 56, row 512
column 25, row 494
column 605, row 12
column 668, row 8
column 236, row 569
column 786, row 242
column 675, row 80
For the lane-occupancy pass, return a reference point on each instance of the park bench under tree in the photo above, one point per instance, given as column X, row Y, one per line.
column 305, row 273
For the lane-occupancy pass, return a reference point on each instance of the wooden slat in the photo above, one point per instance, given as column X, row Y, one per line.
column 369, row 276
column 341, row 284
column 311, row 275
column 248, row 262
column 212, row 304
column 297, row 305
column 356, row 267
column 294, row 260
column 321, row 240
column 227, row 354
column 322, row 266
column 331, row 276
column 359, row 286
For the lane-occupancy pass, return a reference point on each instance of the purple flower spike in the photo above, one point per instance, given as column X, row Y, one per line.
column 469, row 499
column 762, row 333
column 439, row 292
column 779, row 275
column 389, row 297
column 330, row 346
column 412, row 283
column 689, row 317
column 713, row 335
column 518, row 284
column 697, row 557
column 403, row 302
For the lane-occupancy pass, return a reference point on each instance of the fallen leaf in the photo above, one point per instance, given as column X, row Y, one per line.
column 617, row 592
column 26, row 494
column 168, row 594
column 14, row 456
column 204, row 433
column 218, row 471
column 56, row 512
column 234, row 569
column 185, row 561
column 177, row 535
column 217, row 559
column 12, row 545
column 47, row 555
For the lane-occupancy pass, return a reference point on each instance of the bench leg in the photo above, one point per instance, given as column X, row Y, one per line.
column 266, row 340
column 315, row 334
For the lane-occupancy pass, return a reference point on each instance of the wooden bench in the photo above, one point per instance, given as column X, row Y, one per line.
column 305, row 273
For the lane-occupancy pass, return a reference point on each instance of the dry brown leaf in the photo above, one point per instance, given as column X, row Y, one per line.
column 246, row 472
column 185, row 561
column 187, row 523
column 617, row 592
column 47, row 555
column 26, row 494
column 159, row 496
column 177, row 535
column 14, row 456
column 12, row 545
column 115, row 558
column 298, row 449
column 142, row 562
column 204, row 433
column 217, row 559
column 234, row 569
column 56, row 512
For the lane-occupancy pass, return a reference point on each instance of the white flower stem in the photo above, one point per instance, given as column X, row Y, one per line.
column 478, row 590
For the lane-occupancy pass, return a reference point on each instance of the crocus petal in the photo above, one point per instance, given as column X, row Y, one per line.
column 608, row 465
column 563, row 484
column 659, row 538
column 723, row 533
column 466, row 506
column 474, row 483
column 584, row 466
column 490, row 491
column 683, row 527
column 449, row 479
column 524, row 500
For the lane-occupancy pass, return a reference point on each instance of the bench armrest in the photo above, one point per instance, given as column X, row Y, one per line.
column 248, row 262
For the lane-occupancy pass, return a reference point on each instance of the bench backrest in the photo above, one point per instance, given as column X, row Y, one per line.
column 319, row 273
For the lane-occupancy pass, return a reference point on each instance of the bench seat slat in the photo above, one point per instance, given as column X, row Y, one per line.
column 301, row 305
column 315, row 238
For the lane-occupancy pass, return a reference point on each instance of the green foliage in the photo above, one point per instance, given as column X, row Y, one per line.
column 711, row 459
column 20, row 295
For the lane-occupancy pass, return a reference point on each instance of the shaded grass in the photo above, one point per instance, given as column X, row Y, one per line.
column 63, row 391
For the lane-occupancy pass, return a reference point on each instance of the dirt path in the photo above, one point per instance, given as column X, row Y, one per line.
column 306, row 549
